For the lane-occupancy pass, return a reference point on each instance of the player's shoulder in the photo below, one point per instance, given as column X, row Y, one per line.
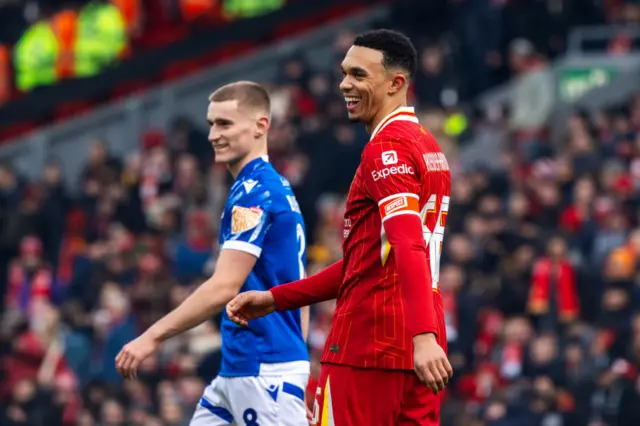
column 404, row 131
column 400, row 132
column 276, row 188
column 393, row 142
column 406, row 136
column 255, row 190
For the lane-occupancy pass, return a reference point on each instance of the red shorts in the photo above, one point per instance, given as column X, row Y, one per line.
column 351, row 396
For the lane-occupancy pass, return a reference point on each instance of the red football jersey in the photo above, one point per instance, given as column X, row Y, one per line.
column 402, row 171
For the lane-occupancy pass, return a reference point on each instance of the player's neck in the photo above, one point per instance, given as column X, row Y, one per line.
column 236, row 168
column 384, row 112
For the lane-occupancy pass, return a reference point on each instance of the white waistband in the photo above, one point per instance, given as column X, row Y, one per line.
column 282, row 368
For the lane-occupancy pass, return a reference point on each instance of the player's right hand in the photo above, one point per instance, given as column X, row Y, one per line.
column 250, row 305
column 430, row 362
column 132, row 355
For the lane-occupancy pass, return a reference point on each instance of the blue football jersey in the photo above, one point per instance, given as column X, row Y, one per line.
column 262, row 217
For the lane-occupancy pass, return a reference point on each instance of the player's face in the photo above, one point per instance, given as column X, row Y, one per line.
column 365, row 83
column 232, row 131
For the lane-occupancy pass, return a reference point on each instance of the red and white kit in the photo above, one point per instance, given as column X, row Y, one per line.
column 399, row 198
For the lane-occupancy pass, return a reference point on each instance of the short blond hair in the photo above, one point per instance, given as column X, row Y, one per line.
column 247, row 93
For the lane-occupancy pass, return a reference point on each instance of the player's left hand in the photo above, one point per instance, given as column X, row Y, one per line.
column 309, row 412
column 430, row 362
column 132, row 355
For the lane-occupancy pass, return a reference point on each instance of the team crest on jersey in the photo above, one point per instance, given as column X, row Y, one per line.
column 245, row 218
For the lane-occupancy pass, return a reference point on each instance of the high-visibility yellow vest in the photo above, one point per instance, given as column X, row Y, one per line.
column 35, row 56
column 455, row 124
column 64, row 25
column 251, row 8
column 102, row 37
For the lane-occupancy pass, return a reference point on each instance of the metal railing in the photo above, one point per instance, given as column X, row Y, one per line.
column 581, row 36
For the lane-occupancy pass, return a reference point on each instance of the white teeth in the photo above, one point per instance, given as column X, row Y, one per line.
column 351, row 99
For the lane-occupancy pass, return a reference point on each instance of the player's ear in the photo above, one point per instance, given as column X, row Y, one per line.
column 398, row 82
column 262, row 126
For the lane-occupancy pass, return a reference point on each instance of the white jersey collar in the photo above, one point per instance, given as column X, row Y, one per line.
column 400, row 114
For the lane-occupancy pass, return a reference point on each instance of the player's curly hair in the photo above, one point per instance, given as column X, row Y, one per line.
column 398, row 51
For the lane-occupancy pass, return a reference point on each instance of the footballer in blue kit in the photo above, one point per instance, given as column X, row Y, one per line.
column 265, row 366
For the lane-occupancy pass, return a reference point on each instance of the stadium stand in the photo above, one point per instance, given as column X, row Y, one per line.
column 166, row 46
column 107, row 221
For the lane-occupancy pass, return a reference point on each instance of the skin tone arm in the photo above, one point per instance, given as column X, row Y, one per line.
column 304, row 321
column 232, row 269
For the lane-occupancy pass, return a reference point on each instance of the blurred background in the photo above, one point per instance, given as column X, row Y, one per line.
column 109, row 202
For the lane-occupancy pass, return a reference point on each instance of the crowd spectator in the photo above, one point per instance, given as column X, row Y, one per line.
column 539, row 274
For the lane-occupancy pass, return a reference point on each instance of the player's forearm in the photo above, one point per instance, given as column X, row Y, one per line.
column 304, row 321
column 404, row 233
column 314, row 289
column 204, row 303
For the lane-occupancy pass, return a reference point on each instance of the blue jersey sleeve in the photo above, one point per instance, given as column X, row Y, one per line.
column 250, row 221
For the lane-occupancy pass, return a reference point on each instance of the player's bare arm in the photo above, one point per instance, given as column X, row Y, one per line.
column 314, row 289
column 305, row 316
column 232, row 269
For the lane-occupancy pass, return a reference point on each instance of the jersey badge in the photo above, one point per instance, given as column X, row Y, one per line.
column 244, row 219
column 389, row 157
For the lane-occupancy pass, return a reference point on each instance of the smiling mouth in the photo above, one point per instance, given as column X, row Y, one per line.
column 352, row 101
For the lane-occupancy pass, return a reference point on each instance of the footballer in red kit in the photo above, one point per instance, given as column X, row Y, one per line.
column 397, row 176
column 384, row 361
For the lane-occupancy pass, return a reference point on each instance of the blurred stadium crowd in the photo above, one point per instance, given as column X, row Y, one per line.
column 43, row 42
column 539, row 274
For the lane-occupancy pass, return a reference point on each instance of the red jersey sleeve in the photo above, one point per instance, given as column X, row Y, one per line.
column 314, row 289
column 391, row 180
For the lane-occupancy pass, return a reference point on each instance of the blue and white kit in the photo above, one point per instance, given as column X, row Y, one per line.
column 265, row 366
